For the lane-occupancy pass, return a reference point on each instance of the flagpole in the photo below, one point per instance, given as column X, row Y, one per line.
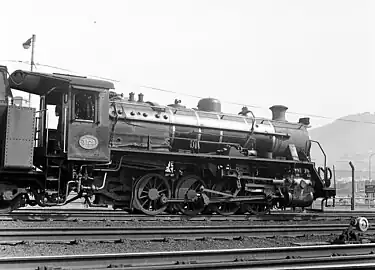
column 32, row 61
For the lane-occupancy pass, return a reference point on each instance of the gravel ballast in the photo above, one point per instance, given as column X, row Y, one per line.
column 34, row 249
column 126, row 246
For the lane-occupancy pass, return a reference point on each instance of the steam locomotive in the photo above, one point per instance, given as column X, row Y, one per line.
column 145, row 157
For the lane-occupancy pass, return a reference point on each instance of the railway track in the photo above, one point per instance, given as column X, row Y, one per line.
column 308, row 257
column 111, row 215
column 162, row 233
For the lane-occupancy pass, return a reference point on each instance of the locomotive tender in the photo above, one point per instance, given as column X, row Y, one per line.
column 145, row 157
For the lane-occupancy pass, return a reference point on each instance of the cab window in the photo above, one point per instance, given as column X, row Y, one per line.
column 84, row 106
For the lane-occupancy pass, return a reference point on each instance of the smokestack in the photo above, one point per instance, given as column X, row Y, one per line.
column 140, row 97
column 131, row 96
column 278, row 112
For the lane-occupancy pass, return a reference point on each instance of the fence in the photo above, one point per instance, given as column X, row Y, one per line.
column 344, row 202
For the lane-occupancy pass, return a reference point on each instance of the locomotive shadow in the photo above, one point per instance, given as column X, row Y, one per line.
column 54, row 215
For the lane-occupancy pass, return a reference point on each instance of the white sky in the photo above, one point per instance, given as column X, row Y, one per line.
column 316, row 57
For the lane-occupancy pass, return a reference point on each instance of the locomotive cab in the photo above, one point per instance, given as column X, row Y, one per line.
column 80, row 103
column 41, row 160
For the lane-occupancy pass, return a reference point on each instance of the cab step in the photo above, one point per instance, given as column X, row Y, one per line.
column 52, row 178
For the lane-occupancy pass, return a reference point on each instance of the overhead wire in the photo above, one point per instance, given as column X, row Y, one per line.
column 260, row 107
column 199, row 97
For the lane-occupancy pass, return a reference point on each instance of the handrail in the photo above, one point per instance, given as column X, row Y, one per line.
column 38, row 136
column 321, row 148
column 326, row 179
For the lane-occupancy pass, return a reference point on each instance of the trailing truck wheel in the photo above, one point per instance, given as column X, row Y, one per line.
column 8, row 206
column 5, row 207
column 151, row 194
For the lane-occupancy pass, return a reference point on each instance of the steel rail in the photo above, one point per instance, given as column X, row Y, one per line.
column 111, row 215
column 58, row 234
column 318, row 263
column 258, row 258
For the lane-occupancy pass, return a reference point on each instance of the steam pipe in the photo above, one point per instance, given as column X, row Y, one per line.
column 116, row 169
column 103, row 184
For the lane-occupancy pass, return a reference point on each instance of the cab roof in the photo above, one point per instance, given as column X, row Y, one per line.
column 40, row 83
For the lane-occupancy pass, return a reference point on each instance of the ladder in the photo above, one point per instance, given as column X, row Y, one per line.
column 53, row 174
column 37, row 134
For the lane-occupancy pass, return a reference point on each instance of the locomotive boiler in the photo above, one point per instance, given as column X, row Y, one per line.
column 207, row 129
column 142, row 156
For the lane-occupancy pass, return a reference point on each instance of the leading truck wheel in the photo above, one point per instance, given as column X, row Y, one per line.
column 151, row 194
column 255, row 208
column 226, row 208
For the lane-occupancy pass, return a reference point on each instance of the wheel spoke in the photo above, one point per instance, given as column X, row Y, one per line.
column 160, row 185
column 155, row 182
column 143, row 204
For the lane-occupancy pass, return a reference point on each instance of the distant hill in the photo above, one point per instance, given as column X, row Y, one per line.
column 350, row 138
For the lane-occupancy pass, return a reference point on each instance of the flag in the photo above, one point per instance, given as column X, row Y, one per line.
column 27, row 43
